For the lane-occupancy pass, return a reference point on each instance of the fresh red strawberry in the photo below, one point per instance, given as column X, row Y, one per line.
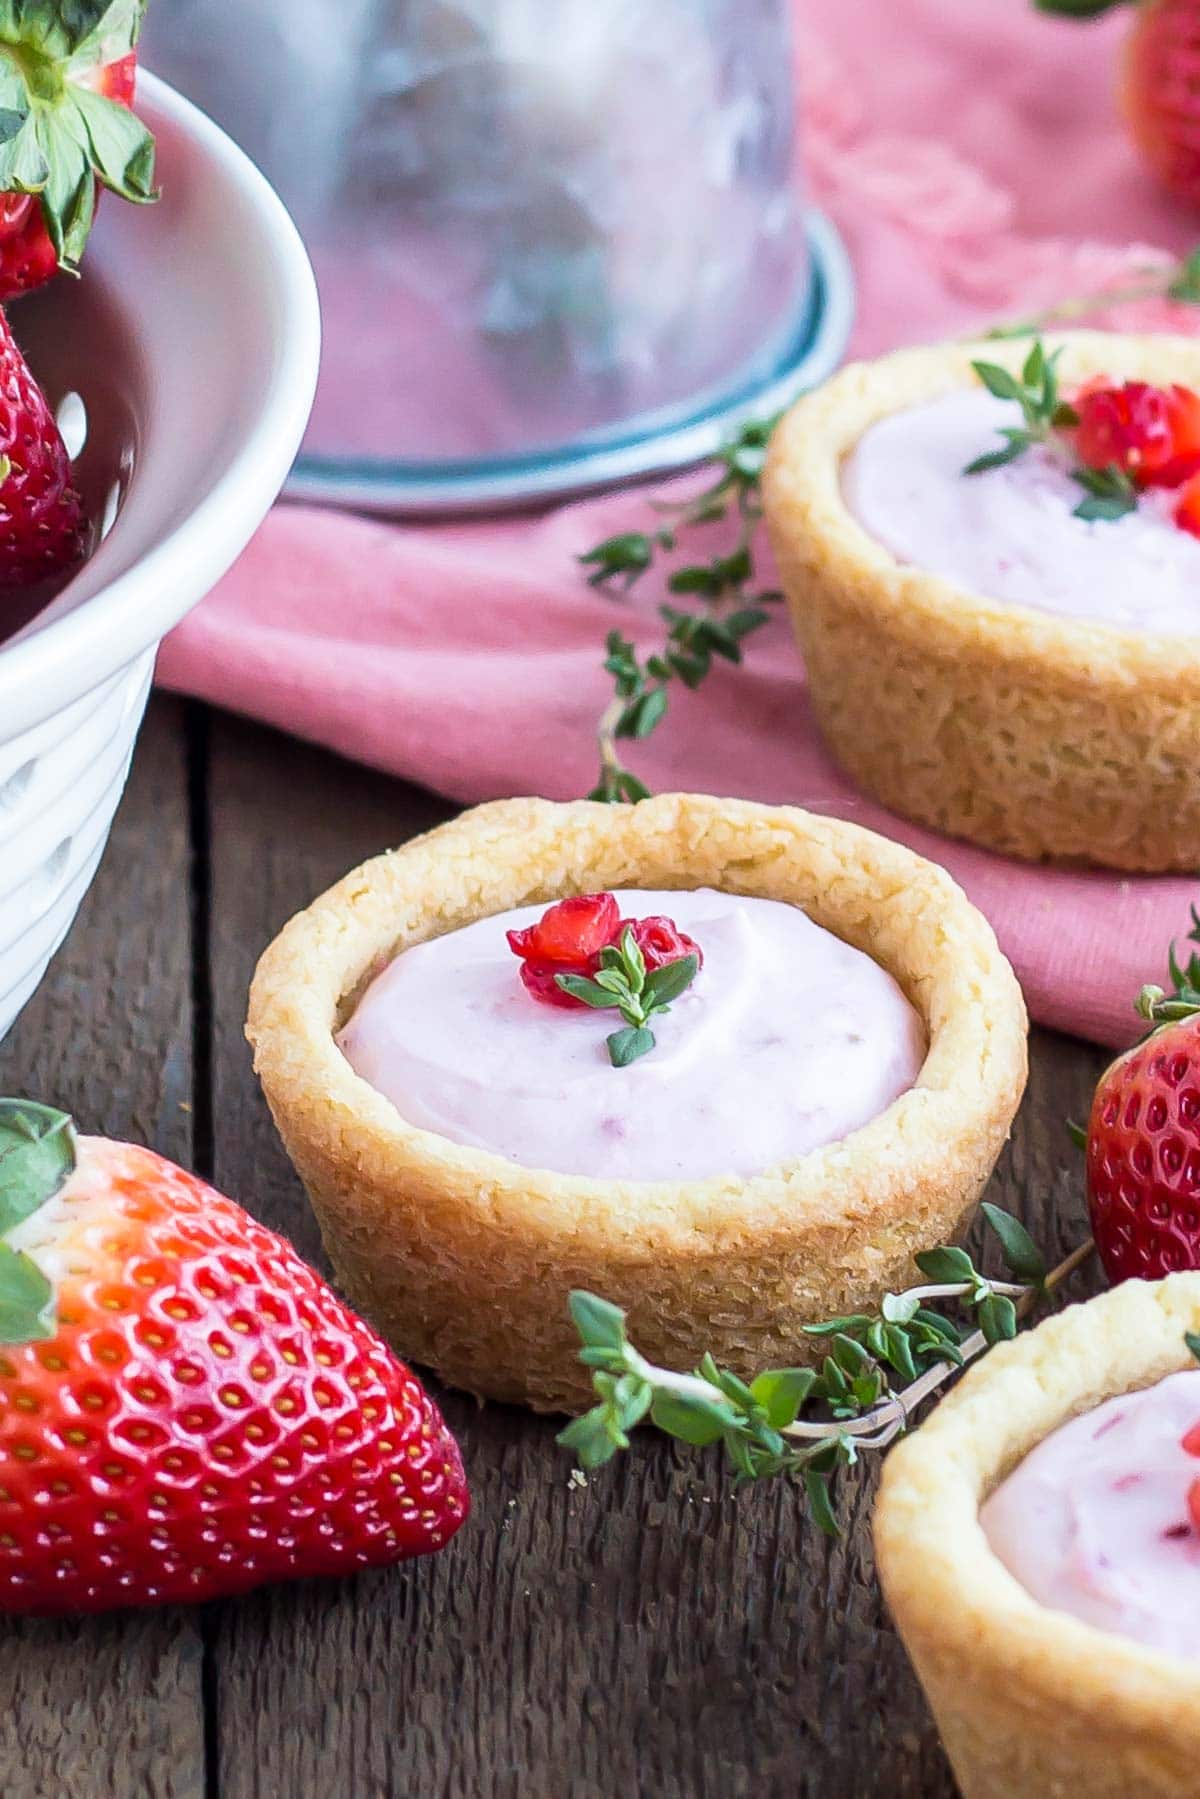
column 66, row 87
column 42, row 529
column 1160, row 84
column 1143, row 1140
column 1187, row 507
column 186, row 1408
column 1160, row 92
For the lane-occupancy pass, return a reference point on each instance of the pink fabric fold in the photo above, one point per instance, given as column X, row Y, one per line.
column 972, row 158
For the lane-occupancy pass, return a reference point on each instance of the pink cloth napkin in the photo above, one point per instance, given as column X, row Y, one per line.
column 972, row 159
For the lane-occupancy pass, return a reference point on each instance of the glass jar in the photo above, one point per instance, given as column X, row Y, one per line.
column 541, row 228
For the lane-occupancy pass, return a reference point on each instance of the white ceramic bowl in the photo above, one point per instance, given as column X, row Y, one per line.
column 190, row 350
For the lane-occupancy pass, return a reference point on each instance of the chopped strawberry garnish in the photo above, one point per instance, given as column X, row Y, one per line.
column 569, row 939
column 1150, row 433
column 541, row 980
column 1187, row 507
column 570, row 933
column 1191, row 1441
column 1194, row 1502
column 1129, row 427
column 661, row 941
column 1184, row 408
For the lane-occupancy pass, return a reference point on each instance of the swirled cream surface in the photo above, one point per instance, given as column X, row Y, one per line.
column 1095, row 1520
column 1009, row 534
column 787, row 1039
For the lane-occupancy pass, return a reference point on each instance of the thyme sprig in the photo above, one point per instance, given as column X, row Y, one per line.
column 1035, row 391
column 730, row 608
column 1109, row 493
column 622, row 982
column 810, row 1422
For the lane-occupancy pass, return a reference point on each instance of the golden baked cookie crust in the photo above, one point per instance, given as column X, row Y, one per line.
column 1043, row 737
column 465, row 1259
column 1031, row 1701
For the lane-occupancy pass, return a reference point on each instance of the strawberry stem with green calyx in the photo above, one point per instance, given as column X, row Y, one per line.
column 759, row 1423
column 59, row 134
column 1078, row 9
column 1157, row 1007
column 1183, row 1001
column 37, row 1158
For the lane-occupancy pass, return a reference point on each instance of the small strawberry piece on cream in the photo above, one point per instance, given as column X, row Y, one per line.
column 570, row 936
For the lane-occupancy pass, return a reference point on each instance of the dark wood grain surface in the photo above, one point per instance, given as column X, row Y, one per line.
column 647, row 1633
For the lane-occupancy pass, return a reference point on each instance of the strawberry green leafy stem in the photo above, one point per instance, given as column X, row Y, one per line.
column 760, row 1424
column 37, row 1157
column 1035, row 391
column 1183, row 1001
column 729, row 608
column 623, row 983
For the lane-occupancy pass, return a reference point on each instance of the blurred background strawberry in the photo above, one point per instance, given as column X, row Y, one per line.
column 1159, row 83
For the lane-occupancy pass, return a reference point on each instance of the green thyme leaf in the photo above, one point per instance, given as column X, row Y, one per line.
column 998, row 458
column 781, row 1392
column 601, row 1325
column 590, row 993
column 816, row 1486
column 1020, row 1252
column 664, row 985
column 692, row 1420
column 629, row 554
column 628, row 1045
column 997, row 1317
column 1192, row 1339
column 1033, row 374
column 899, row 1308
column 700, row 579
column 1110, row 493
column 945, row 1265
column 850, row 1323
column 591, row 1438
column 1035, row 392
column 999, row 381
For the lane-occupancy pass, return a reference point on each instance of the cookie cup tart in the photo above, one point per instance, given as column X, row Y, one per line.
column 466, row 1258
column 1029, row 1699
column 1044, row 735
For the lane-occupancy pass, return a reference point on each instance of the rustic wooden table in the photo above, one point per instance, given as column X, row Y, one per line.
column 649, row 1633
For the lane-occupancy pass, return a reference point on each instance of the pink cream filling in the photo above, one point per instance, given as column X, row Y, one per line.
column 1095, row 1520
column 1009, row 534
column 788, row 1039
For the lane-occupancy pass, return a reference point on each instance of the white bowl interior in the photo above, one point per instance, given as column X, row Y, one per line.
column 192, row 343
